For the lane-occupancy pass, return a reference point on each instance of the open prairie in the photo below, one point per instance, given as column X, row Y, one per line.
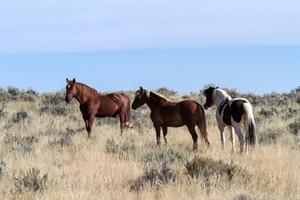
column 45, row 153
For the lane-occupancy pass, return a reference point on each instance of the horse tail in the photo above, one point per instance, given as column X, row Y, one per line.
column 250, row 123
column 202, row 124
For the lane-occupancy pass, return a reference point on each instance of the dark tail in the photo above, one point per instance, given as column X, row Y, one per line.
column 252, row 132
column 202, row 124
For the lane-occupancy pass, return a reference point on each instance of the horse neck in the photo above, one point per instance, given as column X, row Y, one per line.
column 152, row 102
column 83, row 94
column 221, row 96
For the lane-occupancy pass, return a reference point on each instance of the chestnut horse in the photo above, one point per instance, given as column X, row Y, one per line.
column 165, row 113
column 93, row 104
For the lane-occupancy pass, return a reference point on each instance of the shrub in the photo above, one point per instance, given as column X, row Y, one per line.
column 56, row 110
column 242, row 197
column 59, row 110
column 166, row 92
column 2, row 113
column 268, row 112
column 15, row 143
column 294, row 127
column 166, row 154
column 298, row 100
column 155, row 176
column 31, row 181
column 28, row 98
column 32, row 92
column 120, row 149
column 269, row 136
column 21, row 116
column 205, row 168
column 53, row 98
column 13, row 91
column 64, row 139
column 291, row 112
column 2, row 168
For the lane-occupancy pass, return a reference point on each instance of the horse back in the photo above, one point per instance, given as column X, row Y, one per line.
column 111, row 104
column 119, row 98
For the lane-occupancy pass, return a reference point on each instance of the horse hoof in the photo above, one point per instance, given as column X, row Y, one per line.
column 195, row 147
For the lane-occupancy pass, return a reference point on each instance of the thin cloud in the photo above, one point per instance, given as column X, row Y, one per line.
column 62, row 26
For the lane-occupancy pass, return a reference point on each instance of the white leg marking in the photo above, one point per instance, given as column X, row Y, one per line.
column 238, row 131
column 232, row 138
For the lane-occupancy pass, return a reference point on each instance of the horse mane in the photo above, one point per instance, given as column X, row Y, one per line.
column 159, row 96
column 224, row 93
column 88, row 88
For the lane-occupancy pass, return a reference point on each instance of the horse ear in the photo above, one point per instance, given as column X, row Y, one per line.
column 74, row 80
column 217, row 87
column 141, row 88
column 67, row 80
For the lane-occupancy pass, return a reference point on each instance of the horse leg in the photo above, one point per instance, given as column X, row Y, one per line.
column 232, row 138
column 122, row 122
column 89, row 125
column 165, row 132
column 238, row 131
column 221, row 128
column 157, row 129
column 203, row 131
column 194, row 136
column 128, row 124
column 246, row 138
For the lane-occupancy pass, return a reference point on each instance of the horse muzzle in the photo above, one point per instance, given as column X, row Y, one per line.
column 68, row 100
column 133, row 107
column 206, row 107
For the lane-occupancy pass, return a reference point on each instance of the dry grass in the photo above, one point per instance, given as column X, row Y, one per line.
column 108, row 165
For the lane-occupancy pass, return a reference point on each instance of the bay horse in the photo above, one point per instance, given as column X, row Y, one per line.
column 232, row 113
column 93, row 104
column 166, row 113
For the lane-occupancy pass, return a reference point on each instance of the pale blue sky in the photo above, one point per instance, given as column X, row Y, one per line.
column 249, row 45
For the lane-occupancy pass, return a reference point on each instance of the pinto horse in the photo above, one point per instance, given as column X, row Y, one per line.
column 165, row 113
column 93, row 104
column 233, row 113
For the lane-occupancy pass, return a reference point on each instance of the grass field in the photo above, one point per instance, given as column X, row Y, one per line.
column 45, row 154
